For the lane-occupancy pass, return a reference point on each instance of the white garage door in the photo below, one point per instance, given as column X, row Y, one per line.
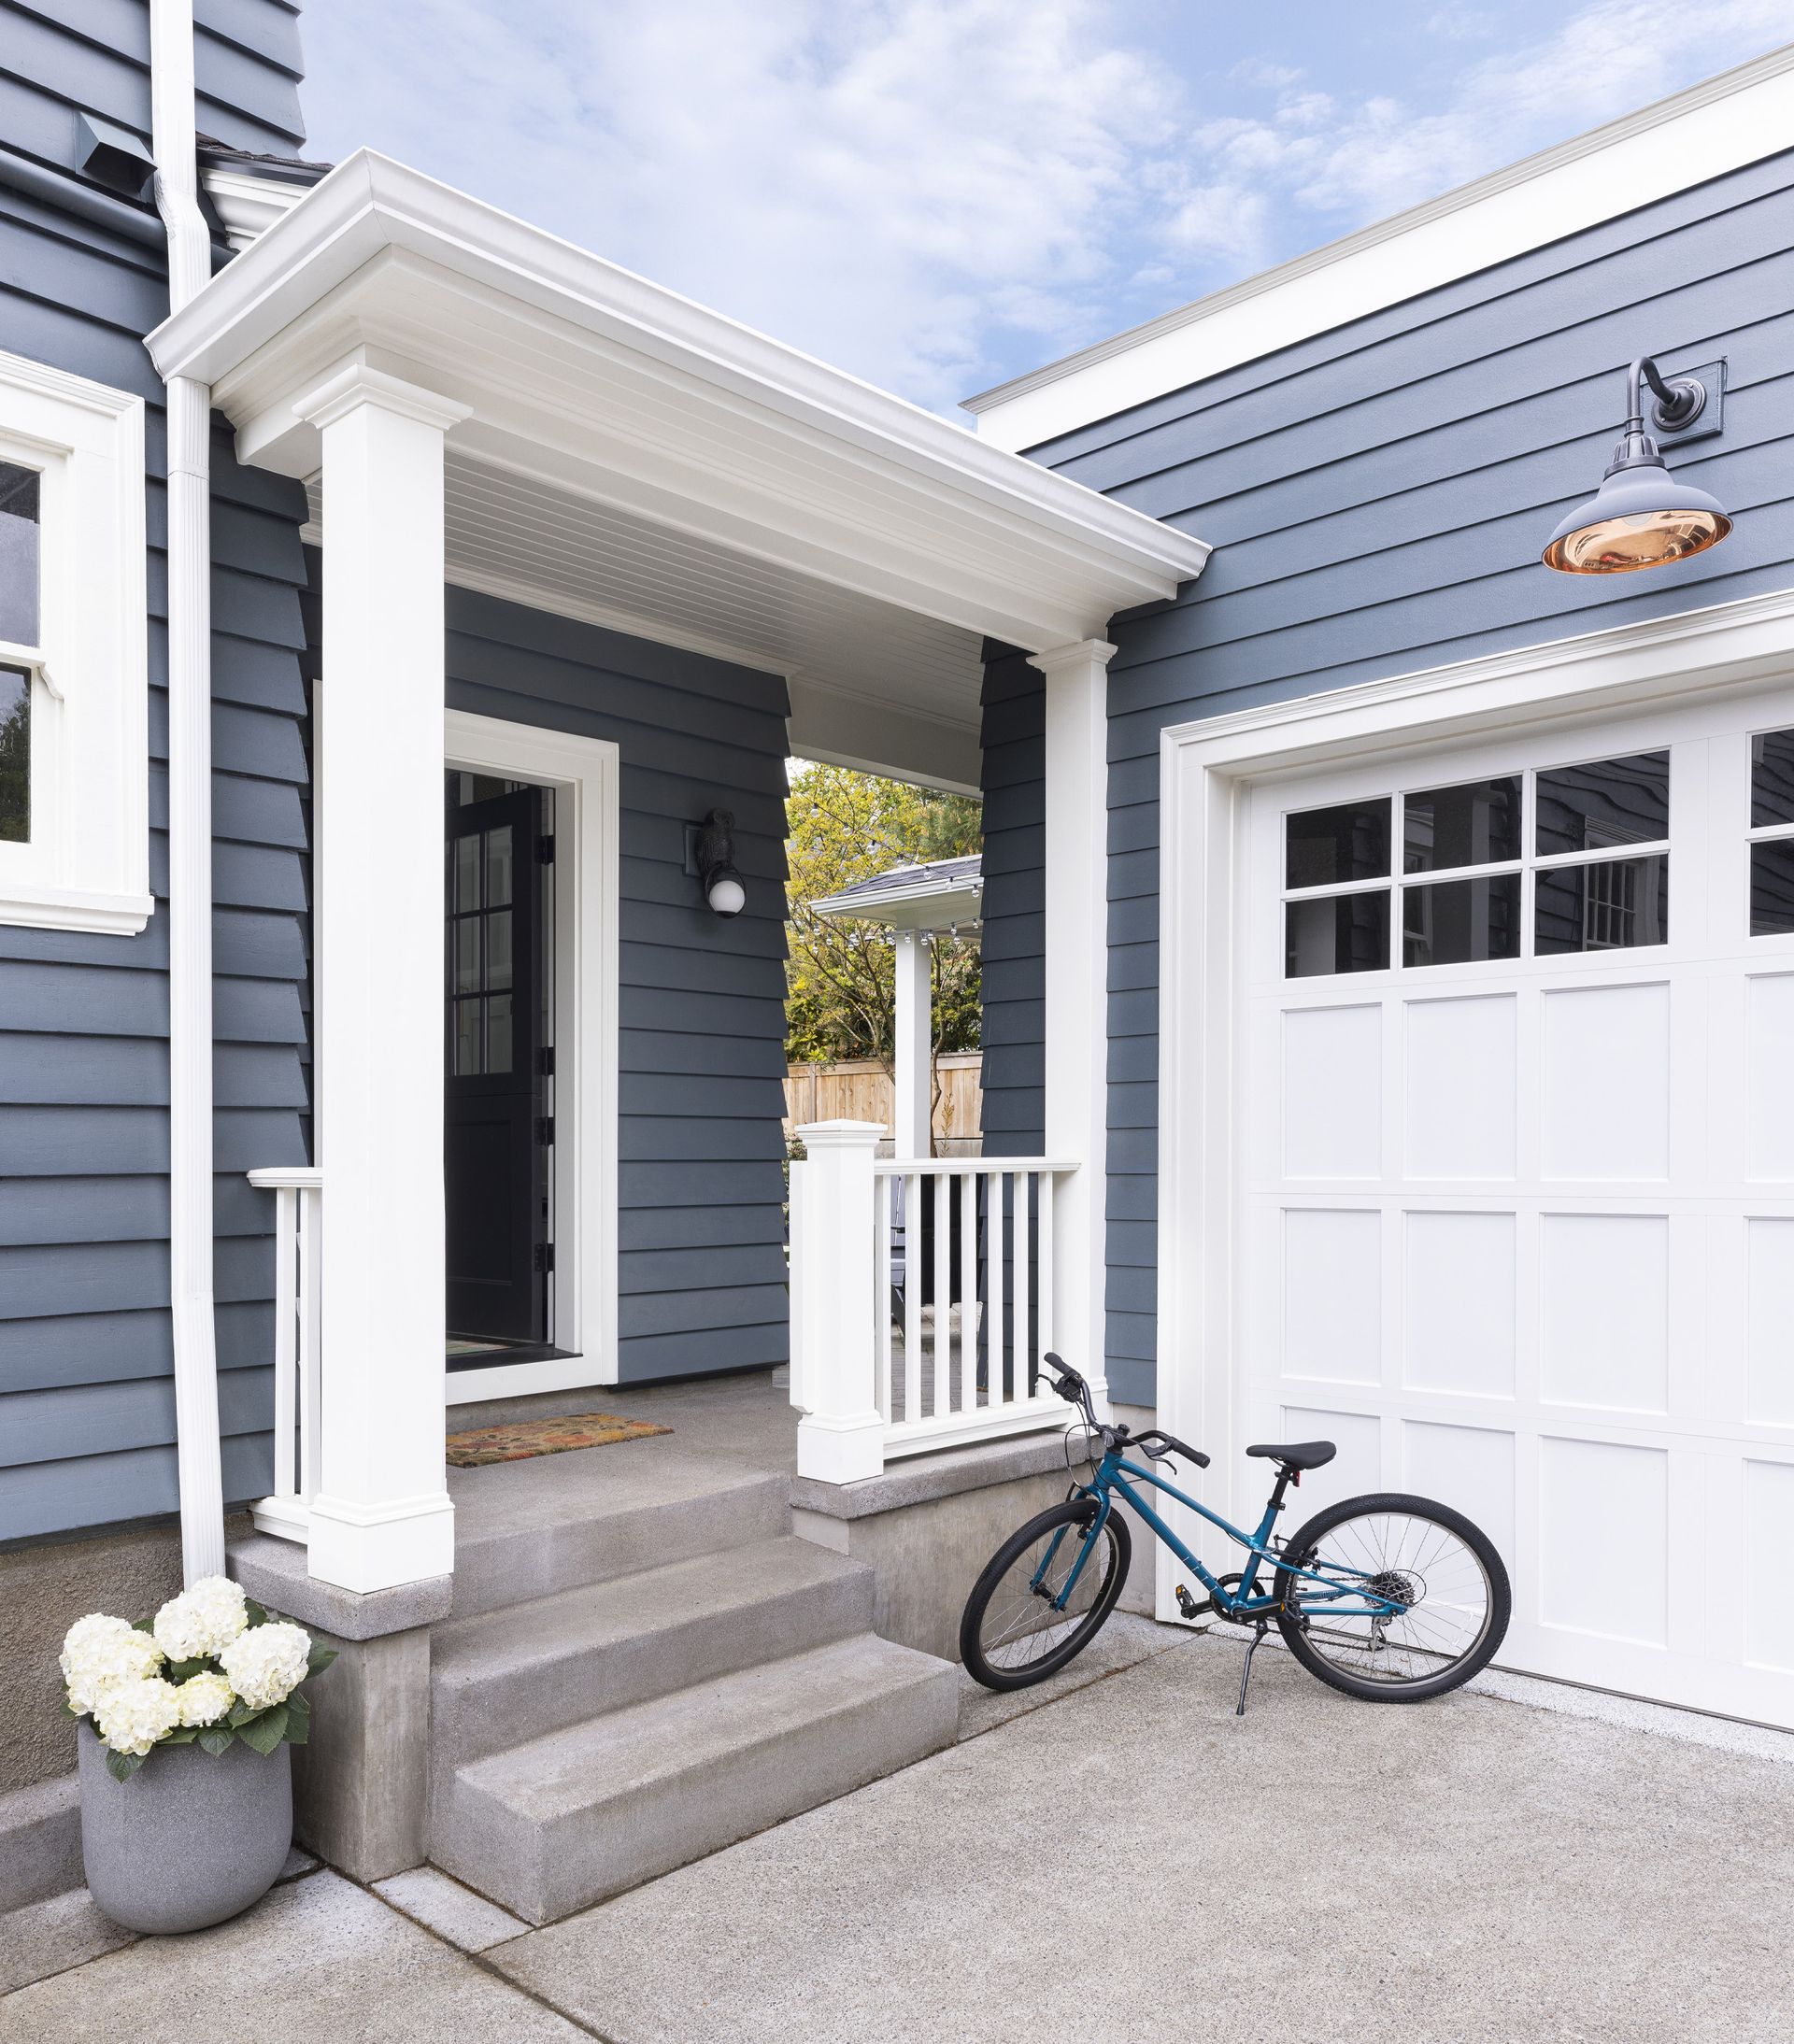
column 1516, row 1143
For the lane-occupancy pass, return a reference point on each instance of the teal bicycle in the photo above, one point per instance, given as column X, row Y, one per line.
column 1386, row 1597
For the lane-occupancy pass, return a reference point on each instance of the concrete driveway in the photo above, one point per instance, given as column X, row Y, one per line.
column 1128, row 1859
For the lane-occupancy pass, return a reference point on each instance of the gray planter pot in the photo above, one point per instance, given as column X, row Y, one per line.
column 189, row 1840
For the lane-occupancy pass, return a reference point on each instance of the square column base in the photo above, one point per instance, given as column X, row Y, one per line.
column 845, row 1449
column 379, row 1547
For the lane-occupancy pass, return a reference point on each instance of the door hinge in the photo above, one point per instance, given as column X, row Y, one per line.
column 545, row 1256
column 544, row 1061
column 545, row 849
column 545, row 1130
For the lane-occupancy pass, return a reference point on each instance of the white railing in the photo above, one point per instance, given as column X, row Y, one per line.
column 922, row 1299
column 297, row 1214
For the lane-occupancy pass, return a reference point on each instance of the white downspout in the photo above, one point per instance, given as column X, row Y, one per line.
column 190, row 813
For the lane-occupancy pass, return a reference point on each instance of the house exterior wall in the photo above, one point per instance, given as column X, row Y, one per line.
column 86, row 1389
column 1377, row 497
column 701, row 1189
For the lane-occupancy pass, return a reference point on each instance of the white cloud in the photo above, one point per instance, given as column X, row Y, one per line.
column 936, row 193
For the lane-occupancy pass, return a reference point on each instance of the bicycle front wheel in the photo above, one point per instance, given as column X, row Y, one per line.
column 1440, row 1571
column 1013, row 1634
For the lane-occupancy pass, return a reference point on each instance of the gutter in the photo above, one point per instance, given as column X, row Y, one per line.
column 190, row 812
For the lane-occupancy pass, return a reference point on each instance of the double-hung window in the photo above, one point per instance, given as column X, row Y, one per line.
column 73, row 680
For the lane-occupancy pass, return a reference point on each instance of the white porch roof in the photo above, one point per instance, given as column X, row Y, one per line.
column 635, row 459
column 936, row 894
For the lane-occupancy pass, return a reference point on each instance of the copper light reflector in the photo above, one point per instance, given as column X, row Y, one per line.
column 1641, row 516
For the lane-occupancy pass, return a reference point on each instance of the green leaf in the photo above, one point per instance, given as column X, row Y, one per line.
column 178, row 1671
column 241, row 1713
column 265, row 1732
column 298, row 1727
column 183, row 1734
column 257, row 1615
column 299, row 1704
column 143, row 1624
column 214, row 1739
column 70, row 1712
column 319, row 1659
column 122, row 1767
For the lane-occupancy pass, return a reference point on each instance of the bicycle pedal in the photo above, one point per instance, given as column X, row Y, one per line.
column 1189, row 1605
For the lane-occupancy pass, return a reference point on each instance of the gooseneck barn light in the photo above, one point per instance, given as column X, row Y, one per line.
column 716, row 863
column 1641, row 516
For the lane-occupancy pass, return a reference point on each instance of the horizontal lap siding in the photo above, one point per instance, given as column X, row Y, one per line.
column 1377, row 497
column 86, row 1355
column 1013, row 1032
column 700, row 1090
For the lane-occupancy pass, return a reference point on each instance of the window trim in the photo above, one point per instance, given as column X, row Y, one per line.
column 86, row 866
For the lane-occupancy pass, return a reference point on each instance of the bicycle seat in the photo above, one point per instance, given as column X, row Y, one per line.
column 1295, row 1454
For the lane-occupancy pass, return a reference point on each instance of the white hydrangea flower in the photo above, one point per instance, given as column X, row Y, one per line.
column 204, row 1698
column 131, row 1716
column 268, row 1664
column 100, row 1654
column 202, row 1620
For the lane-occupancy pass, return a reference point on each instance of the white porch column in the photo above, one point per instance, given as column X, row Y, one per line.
column 835, row 1303
column 1077, row 995
column 913, row 1113
column 382, row 1515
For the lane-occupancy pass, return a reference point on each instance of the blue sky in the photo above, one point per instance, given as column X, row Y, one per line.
column 937, row 194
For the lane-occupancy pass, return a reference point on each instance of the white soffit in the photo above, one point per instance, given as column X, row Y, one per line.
column 1714, row 127
column 594, row 384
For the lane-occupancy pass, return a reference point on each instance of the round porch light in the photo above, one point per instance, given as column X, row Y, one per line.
column 716, row 861
column 1641, row 516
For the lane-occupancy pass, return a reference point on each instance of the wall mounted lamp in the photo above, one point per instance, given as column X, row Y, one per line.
column 1641, row 516
column 715, row 858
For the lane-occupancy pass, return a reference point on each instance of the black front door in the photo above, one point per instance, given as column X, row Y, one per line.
column 494, row 1149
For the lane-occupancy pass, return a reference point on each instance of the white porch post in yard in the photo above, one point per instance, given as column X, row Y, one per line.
column 835, row 1306
column 1077, row 992
column 913, row 1111
column 382, row 1515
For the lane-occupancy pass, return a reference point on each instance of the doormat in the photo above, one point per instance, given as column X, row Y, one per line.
column 533, row 1437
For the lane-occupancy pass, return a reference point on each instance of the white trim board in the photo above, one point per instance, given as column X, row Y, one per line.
column 1716, row 126
column 584, row 774
column 1206, row 769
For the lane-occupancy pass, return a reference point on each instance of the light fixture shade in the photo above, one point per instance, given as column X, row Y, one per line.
column 1640, row 517
column 724, row 891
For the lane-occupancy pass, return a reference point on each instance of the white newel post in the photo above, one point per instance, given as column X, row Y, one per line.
column 382, row 1515
column 834, row 1309
column 913, row 1111
column 1076, row 993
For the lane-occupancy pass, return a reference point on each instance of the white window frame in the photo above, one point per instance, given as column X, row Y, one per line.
column 1206, row 771
column 86, row 866
column 584, row 774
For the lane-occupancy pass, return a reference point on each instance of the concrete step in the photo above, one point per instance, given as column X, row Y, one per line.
column 508, row 1676
column 564, row 1821
column 527, row 1529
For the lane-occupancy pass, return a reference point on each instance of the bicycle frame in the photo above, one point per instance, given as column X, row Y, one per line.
column 1245, row 1604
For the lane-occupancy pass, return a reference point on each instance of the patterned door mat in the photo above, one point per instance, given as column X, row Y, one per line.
column 531, row 1437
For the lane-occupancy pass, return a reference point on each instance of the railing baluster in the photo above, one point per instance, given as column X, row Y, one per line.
column 912, row 1296
column 311, row 1357
column 993, row 1346
column 968, row 1184
column 285, row 1337
column 881, row 1345
column 1022, row 1386
column 1044, row 1262
column 941, row 1213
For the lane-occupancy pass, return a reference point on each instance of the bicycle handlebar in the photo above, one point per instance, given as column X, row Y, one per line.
column 1074, row 1391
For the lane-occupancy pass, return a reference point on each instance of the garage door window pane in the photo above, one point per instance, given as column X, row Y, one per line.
column 1475, row 825
column 1772, row 887
column 1340, row 933
column 1606, row 801
column 1612, row 905
column 1454, row 922
column 1771, row 778
column 1351, row 842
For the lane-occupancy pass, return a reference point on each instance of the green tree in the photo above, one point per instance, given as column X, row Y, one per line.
column 840, row 976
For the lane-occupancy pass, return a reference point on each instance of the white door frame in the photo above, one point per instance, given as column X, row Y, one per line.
column 1204, row 769
column 584, row 775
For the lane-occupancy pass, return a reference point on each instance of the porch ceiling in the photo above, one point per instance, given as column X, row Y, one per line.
column 630, row 456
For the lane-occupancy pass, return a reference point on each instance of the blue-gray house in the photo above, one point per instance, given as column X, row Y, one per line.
column 1388, row 938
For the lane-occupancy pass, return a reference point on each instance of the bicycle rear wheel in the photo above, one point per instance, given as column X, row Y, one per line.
column 1011, row 1634
column 1441, row 1571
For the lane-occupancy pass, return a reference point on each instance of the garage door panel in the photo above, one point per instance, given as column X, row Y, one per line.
column 1769, row 1282
column 1604, row 1309
column 1769, row 1540
column 1769, row 1060
column 1454, row 1261
column 1468, row 1467
column 1604, row 1102
column 1332, row 1092
column 1333, row 1294
column 1461, row 1063
column 1603, row 1539
column 1358, row 1467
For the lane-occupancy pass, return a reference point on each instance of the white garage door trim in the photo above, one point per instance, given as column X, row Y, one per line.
column 1207, row 770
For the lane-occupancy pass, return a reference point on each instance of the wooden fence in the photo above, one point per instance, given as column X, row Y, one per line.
column 862, row 1091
